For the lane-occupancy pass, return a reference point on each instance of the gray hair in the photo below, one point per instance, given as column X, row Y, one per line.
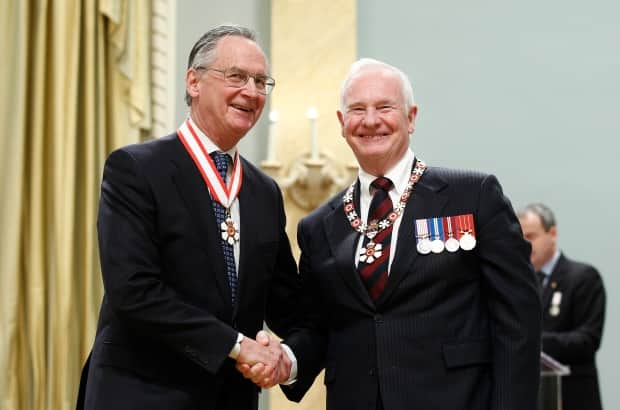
column 365, row 63
column 203, row 51
column 542, row 211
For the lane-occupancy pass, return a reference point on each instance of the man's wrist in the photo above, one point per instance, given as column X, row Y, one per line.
column 234, row 352
column 292, row 378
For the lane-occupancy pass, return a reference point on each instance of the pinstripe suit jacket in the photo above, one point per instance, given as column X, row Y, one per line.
column 167, row 322
column 451, row 330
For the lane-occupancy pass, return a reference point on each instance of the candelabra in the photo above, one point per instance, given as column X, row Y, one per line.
column 312, row 177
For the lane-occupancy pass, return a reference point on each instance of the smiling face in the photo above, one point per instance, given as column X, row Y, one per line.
column 375, row 120
column 226, row 113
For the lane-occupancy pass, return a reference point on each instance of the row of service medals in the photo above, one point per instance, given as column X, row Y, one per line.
column 449, row 233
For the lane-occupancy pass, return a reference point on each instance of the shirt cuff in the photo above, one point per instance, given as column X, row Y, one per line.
column 234, row 353
column 293, row 376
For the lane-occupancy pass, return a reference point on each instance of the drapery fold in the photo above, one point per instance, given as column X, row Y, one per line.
column 71, row 90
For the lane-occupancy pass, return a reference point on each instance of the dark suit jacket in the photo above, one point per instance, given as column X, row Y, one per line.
column 573, row 335
column 167, row 323
column 452, row 331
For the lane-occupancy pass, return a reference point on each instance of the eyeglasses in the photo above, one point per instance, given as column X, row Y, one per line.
column 235, row 77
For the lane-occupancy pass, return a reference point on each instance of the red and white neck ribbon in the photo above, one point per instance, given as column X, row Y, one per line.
column 222, row 193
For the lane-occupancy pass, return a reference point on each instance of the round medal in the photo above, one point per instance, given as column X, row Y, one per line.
column 437, row 246
column 424, row 246
column 452, row 245
column 230, row 231
column 467, row 241
column 371, row 252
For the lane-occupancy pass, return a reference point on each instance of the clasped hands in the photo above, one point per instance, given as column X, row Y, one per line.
column 263, row 361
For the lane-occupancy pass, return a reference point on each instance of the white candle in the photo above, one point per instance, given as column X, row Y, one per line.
column 274, row 117
column 312, row 115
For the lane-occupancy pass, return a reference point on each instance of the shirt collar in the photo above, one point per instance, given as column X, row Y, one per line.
column 208, row 144
column 398, row 174
column 548, row 267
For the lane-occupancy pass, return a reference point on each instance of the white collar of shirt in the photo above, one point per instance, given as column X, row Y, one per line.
column 548, row 267
column 398, row 174
column 210, row 145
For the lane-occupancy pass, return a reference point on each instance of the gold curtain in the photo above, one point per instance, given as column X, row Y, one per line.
column 74, row 84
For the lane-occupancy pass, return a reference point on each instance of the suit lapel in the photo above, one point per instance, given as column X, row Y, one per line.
column 247, row 251
column 197, row 199
column 547, row 292
column 342, row 240
column 425, row 202
column 553, row 284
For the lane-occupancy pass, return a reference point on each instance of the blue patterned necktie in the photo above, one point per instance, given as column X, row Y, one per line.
column 375, row 274
column 221, row 163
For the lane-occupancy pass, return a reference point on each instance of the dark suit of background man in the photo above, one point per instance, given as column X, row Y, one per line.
column 454, row 326
column 573, row 309
column 179, row 290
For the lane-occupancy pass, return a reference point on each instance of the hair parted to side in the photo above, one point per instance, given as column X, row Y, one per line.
column 542, row 211
column 203, row 51
column 370, row 63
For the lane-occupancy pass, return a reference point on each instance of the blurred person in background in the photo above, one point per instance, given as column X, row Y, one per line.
column 573, row 308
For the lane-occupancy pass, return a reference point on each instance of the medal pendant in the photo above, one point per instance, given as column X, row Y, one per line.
column 556, row 299
column 371, row 252
column 424, row 246
column 467, row 241
column 230, row 231
column 452, row 245
column 437, row 246
column 372, row 230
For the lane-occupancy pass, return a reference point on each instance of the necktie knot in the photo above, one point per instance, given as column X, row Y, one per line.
column 541, row 277
column 381, row 205
column 221, row 161
column 382, row 183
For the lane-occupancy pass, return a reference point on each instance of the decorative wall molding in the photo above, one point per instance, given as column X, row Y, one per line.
column 162, row 60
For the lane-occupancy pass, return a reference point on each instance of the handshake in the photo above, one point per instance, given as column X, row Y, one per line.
column 264, row 361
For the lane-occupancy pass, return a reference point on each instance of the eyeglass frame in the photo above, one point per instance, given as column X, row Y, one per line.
column 269, row 82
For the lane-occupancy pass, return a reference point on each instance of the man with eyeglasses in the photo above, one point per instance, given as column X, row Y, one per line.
column 193, row 249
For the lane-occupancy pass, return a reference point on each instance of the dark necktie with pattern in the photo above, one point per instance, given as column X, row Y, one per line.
column 375, row 274
column 221, row 163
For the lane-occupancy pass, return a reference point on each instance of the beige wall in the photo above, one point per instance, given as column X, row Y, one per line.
column 312, row 46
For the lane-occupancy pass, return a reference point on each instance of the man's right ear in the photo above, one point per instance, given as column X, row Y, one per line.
column 192, row 82
column 341, row 120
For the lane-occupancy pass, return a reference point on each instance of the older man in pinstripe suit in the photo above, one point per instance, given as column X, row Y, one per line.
column 418, row 288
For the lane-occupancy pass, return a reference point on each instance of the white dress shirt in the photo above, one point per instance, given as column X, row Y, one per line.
column 399, row 175
column 548, row 267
